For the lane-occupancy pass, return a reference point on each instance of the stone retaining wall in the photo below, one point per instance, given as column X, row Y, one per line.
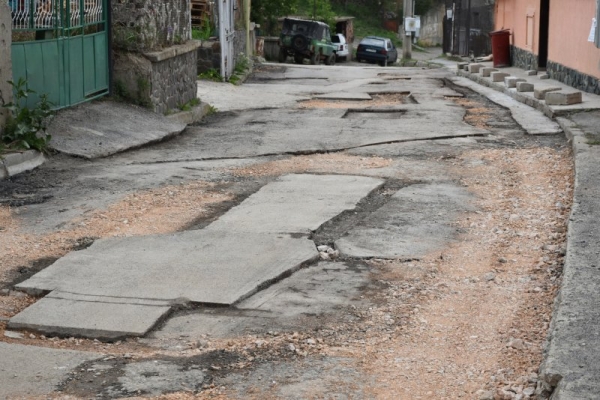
column 147, row 25
column 5, row 60
column 161, row 81
column 573, row 78
column 523, row 59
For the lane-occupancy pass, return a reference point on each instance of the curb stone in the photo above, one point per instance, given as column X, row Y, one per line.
column 569, row 369
column 14, row 163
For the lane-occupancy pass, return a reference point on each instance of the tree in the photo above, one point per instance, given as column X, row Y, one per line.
column 266, row 12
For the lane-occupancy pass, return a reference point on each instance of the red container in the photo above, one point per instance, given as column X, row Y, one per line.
column 501, row 48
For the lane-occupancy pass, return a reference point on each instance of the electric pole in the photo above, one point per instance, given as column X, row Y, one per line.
column 407, row 40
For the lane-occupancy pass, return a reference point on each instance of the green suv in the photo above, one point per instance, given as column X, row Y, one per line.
column 306, row 39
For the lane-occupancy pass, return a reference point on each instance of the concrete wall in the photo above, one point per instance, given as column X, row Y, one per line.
column 146, row 25
column 432, row 28
column 569, row 31
column 5, row 60
column 522, row 17
column 571, row 58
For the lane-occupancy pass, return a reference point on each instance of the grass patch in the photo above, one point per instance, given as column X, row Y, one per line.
column 592, row 139
column 211, row 75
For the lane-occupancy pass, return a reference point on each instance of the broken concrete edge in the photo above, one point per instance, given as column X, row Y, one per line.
column 15, row 163
column 173, row 51
column 192, row 116
column 555, row 378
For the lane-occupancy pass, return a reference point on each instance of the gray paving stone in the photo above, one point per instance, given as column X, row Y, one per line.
column 540, row 93
column 525, row 87
column 563, row 98
column 487, row 71
column 35, row 371
column 498, row 76
column 475, row 68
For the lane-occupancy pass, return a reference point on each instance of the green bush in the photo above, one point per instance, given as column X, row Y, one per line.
column 26, row 127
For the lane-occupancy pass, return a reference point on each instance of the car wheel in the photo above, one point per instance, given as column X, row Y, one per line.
column 315, row 58
column 299, row 43
column 282, row 56
column 384, row 63
column 298, row 59
column 330, row 60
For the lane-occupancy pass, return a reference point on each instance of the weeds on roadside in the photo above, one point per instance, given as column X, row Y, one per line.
column 211, row 75
column 26, row 127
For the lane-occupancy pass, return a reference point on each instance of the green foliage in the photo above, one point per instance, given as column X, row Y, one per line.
column 592, row 139
column 369, row 20
column 318, row 10
column 205, row 31
column 266, row 13
column 26, row 127
column 211, row 75
column 423, row 6
column 189, row 105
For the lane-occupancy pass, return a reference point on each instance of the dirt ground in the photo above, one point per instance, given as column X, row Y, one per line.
column 466, row 322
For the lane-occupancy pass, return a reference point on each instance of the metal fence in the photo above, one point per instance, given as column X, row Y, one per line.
column 55, row 15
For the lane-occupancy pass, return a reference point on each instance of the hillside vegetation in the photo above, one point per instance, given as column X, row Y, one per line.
column 369, row 14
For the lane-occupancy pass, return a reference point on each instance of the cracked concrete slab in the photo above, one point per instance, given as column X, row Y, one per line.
column 122, row 286
column 36, row 371
column 99, row 129
column 397, row 229
column 206, row 266
column 296, row 203
column 90, row 316
column 277, row 131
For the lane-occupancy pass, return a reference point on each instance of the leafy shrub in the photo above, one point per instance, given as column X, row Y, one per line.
column 26, row 127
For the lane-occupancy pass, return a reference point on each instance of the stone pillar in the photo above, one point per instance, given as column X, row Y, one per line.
column 5, row 60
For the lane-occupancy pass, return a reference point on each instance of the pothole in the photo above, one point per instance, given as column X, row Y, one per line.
column 381, row 99
column 374, row 113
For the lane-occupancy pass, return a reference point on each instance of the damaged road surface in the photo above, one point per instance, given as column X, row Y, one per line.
column 331, row 232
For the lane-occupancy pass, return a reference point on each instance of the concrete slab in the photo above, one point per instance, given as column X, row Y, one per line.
column 208, row 266
column 296, row 203
column 344, row 96
column 36, row 371
column 396, row 229
column 87, row 316
column 475, row 68
column 102, row 128
column 318, row 291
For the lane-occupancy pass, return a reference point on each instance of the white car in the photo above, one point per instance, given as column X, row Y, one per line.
column 342, row 46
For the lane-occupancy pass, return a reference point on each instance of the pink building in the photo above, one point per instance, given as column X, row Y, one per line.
column 556, row 35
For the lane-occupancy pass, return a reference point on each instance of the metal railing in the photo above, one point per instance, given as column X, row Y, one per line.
column 57, row 15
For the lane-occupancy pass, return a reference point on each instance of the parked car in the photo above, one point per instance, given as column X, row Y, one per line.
column 342, row 46
column 377, row 49
column 306, row 39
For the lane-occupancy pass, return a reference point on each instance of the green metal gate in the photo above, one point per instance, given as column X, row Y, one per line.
column 61, row 48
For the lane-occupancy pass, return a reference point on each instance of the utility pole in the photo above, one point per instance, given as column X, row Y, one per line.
column 407, row 40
